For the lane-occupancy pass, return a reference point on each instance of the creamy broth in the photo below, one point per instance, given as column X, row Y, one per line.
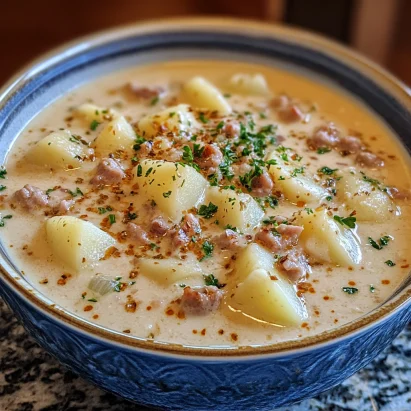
column 331, row 293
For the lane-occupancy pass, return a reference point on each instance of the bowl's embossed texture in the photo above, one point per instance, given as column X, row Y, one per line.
column 191, row 382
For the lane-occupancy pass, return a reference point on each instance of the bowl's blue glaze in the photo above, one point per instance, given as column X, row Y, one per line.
column 174, row 380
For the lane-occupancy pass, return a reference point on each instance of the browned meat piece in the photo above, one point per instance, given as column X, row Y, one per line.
column 64, row 206
column 136, row 234
column 367, row 159
column 108, row 172
column 350, row 144
column 145, row 92
column 190, row 225
column 398, row 194
column 159, row 226
column 279, row 238
column 294, row 265
column 227, row 240
column 179, row 238
column 290, row 114
column 231, row 129
column 210, row 159
column 145, row 149
column 280, row 102
column 173, row 155
column 31, row 197
column 201, row 300
column 324, row 136
column 262, row 186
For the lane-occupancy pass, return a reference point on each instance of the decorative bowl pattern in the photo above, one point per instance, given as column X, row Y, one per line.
column 176, row 377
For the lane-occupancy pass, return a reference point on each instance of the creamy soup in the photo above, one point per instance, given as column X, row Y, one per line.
column 209, row 204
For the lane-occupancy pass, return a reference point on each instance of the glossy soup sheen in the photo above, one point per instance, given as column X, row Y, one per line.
column 316, row 281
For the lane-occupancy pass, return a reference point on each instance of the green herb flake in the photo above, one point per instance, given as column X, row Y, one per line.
column 207, row 248
column 390, row 263
column 139, row 170
column 94, row 124
column 220, row 125
column 167, row 194
column 347, row 221
column 103, row 210
column 372, row 289
column 112, row 218
column 153, row 246
column 211, row 280
column 76, row 193
column 3, row 173
column 327, row 170
column 309, row 210
column 2, row 188
column 382, row 242
column 6, row 217
column 207, row 211
column 154, row 101
column 350, row 290
column 323, row 150
column 203, row 118
column 92, row 300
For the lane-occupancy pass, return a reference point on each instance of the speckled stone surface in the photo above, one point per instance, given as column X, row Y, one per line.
column 30, row 379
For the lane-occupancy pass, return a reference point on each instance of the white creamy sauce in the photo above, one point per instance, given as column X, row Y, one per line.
column 328, row 306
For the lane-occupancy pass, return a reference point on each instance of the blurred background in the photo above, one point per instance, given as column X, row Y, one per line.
column 380, row 29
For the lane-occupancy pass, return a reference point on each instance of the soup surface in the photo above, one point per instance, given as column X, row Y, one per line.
column 209, row 203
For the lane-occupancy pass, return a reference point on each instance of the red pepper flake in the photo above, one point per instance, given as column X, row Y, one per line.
column 170, row 311
column 311, row 290
column 221, row 331
column 194, row 331
column 335, row 320
column 95, row 316
column 88, row 308
column 405, row 266
column 133, row 274
column 326, row 297
column 181, row 315
column 304, row 325
column 351, row 282
column 128, row 331
column 385, row 282
column 234, row 336
column 273, row 278
column 316, row 312
column 300, row 204
column 203, row 331
column 148, row 308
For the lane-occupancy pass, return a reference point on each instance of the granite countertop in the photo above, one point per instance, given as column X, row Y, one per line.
column 30, row 379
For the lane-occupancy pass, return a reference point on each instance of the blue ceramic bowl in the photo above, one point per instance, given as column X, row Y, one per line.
column 173, row 376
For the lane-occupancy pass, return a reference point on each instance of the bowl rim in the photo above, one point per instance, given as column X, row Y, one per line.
column 308, row 39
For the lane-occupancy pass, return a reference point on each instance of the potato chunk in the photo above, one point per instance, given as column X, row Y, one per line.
column 116, row 135
column 59, row 150
column 295, row 185
column 172, row 186
column 262, row 292
column 170, row 270
column 370, row 202
column 237, row 209
column 326, row 240
column 177, row 119
column 251, row 84
column 91, row 112
column 76, row 242
column 204, row 95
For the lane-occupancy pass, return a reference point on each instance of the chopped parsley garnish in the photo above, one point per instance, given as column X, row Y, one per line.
column 207, row 249
column 188, row 157
column 247, row 178
column 131, row 216
column 382, row 242
column 390, row 263
column 211, row 280
column 167, row 194
column 117, row 284
column 92, row 300
column 262, row 115
column 102, row 210
column 112, row 218
column 265, row 202
column 207, row 211
column 154, row 101
column 153, row 246
column 50, row 190
column 297, row 171
column 347, row 221
column 76, row 193
column 203, row 119
column 372, row 288
column 93, row 125
column 230, row 227
column 327, row 170
column 220, row 125
column 350, row 290
column 6, row 217
column 309, row 210
column 3, row 173
column 138, row 142
column 198, row 150
column 148, row 172
column 328, row 198
column 2, row 188
column 182, row 285
column 139, row 170
column 270, row 220
column 323, row 150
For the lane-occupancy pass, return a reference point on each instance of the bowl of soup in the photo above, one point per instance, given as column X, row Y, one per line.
column 207, row 214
